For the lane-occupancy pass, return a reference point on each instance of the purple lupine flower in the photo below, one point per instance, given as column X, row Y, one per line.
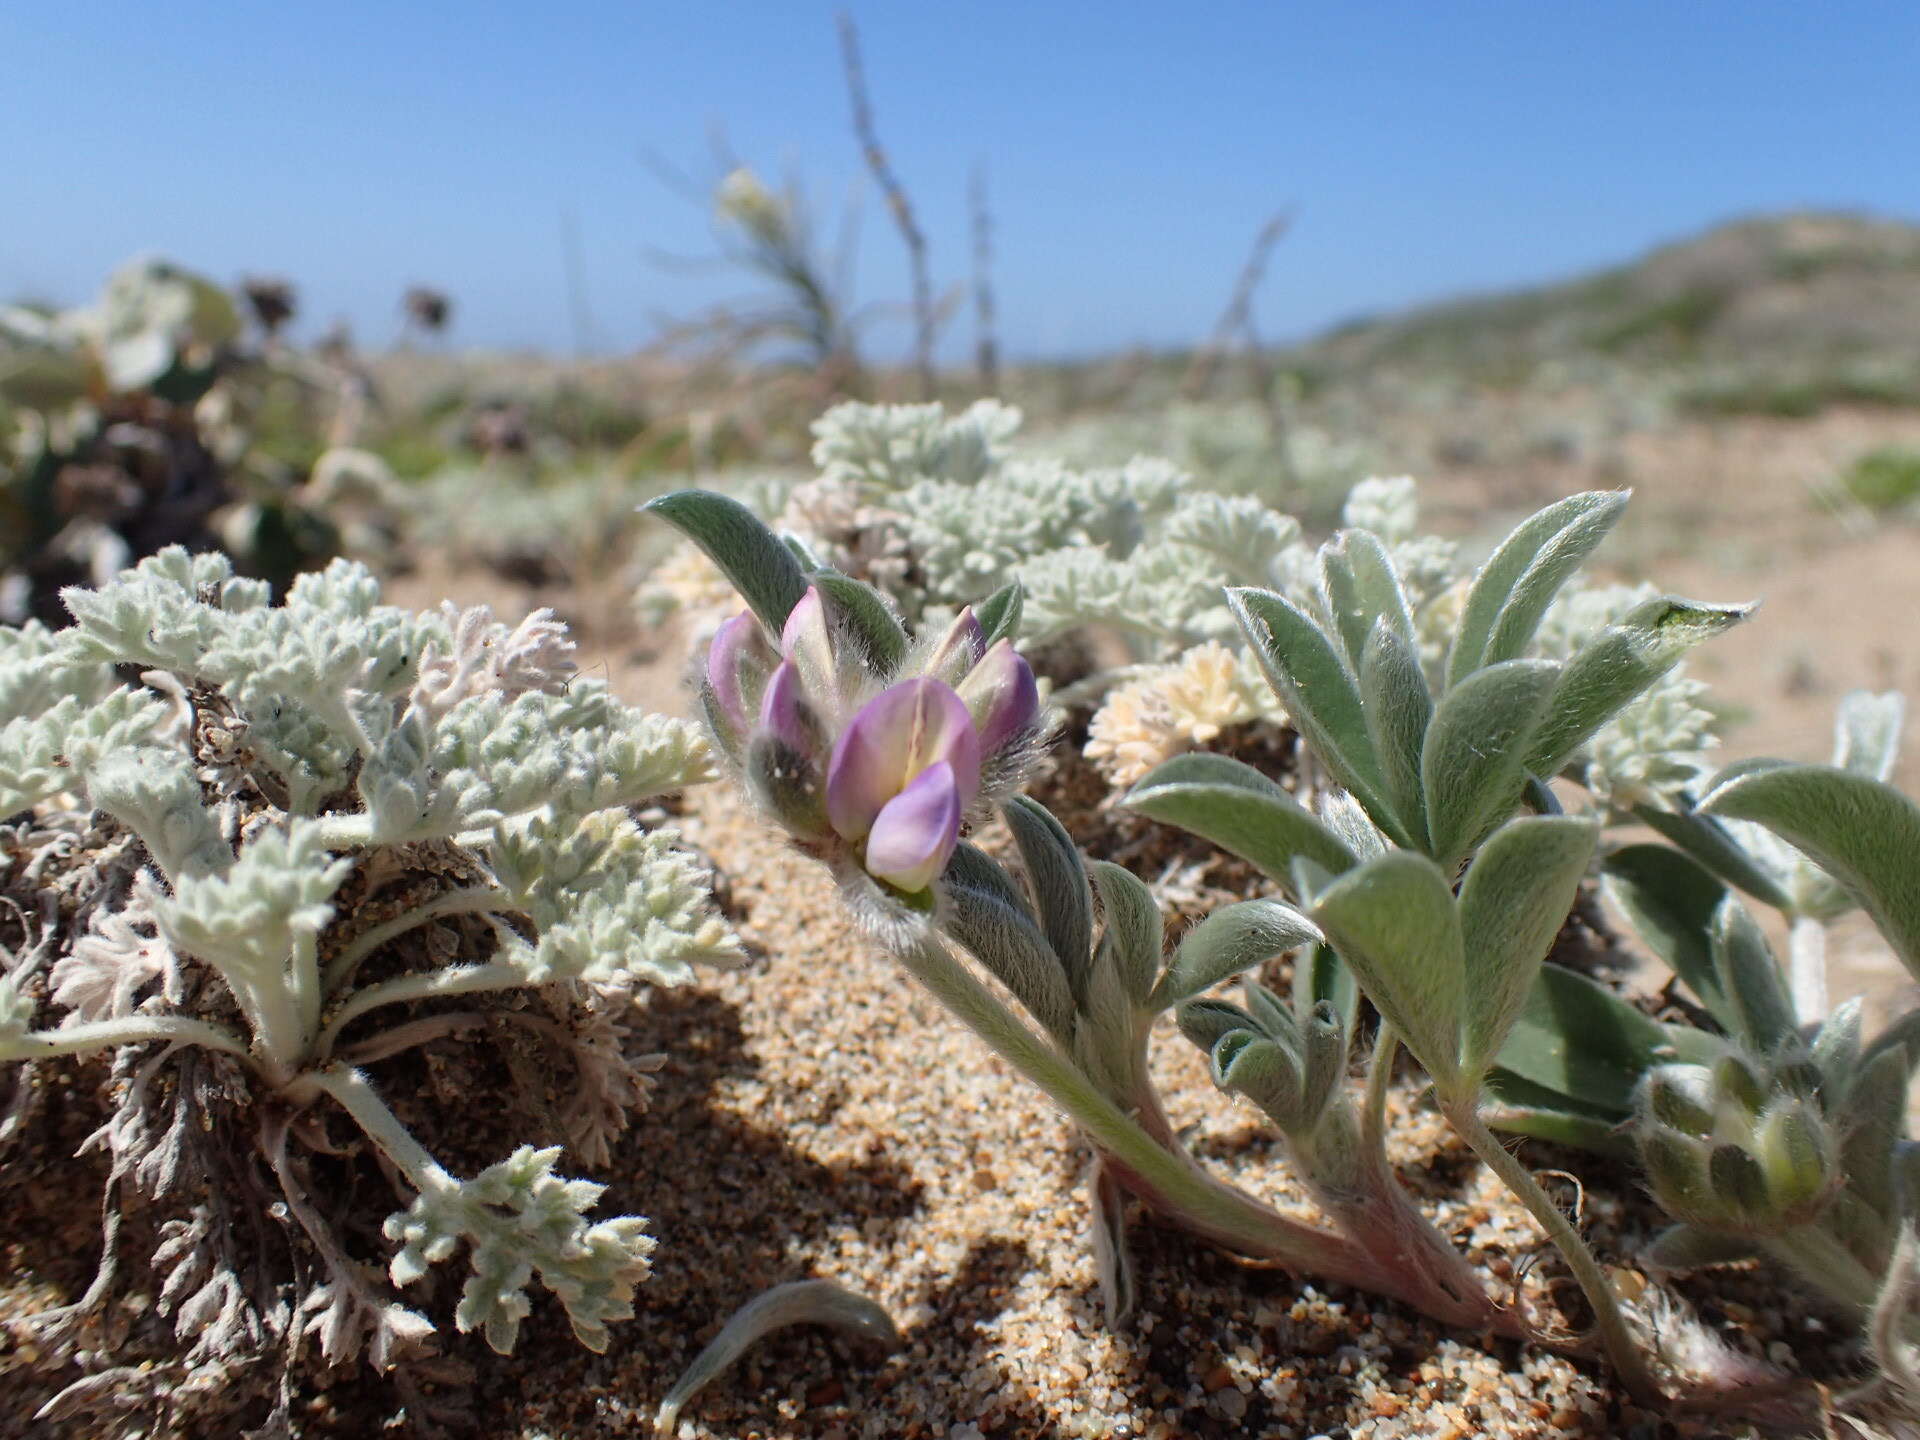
column 958, row 651
column 731, row 645
column 902, row 776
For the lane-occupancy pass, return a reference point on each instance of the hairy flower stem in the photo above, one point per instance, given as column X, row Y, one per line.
column 127, row 1030
column 1622, row 1349
column 1161, row 1173
column 1807, row 968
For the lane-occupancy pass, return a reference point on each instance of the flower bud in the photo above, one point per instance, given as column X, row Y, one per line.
column 807, row 641
column 1739, row 1184
column 1676, row 1166
column 1796, row 1153
column 1681, row 1096
column 1737, row 1083
column 1002, row 697
column 959, row 649
column 738, row 662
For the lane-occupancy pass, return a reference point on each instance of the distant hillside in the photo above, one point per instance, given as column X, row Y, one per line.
column 1799, row 294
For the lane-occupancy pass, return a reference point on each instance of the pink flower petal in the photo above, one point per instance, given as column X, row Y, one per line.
column 915, row 832
column 729, row 648
column 897, row 734
column 780, row 707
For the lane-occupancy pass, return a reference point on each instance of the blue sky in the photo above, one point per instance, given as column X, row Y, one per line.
column 1132, row 148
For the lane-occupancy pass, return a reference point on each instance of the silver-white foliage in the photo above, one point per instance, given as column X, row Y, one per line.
column 325, row 731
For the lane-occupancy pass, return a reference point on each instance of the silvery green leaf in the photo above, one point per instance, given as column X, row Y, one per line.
column 1240, row 810
column 614, row 904
column 1693, row 1247
column 1399, row 707
column 1867, row 733
column 997, row 928
column 1616, row 667
column 1350, row 823
column 1875, row 1124
column 38, row 670
column 1133, row 928
column 1000, row 613
column 1671, row 900
column 1263, row 1070
column 1319, row 693
column 1865, row 834
column 1205, row 1021
column 1363, row 591
column 1323, row 1045
column 45, row 754
column 1516, row 896
column 1320, row 974
column 1061, row 897
column 1515, row 586
column 750, row 555
column 858, row 612
column 1275, row 1019
column 1473, row 764
column 1714, row 846
column 1553, row 1120
column 520, row 1220
column 1232, row 939
column 1903, row 1034
column 1394, row 921
column 1750, row 978
column 1578, row 1039
column 155, row 794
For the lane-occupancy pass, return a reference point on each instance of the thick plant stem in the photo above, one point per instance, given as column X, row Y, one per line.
column 356, row 1097
column 1163, row 1174
column 1622, row 1349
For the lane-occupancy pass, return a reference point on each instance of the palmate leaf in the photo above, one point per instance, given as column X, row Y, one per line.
column 1515, row 586
column 858, row 612
column 763, row 570
column 1241, row 811
column 1671, row 900
column 1232, row 939
column 1306, row 671
column 1394, row 921
column 1399, row 708
column 1864, row 833
column 1473, row 763
column 1512, row 904
column 1363, row 590
column 1577, row 1039
column 1616, row 667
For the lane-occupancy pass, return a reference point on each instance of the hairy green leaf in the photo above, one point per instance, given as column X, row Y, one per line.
column 1670, row 899
column 1399, row 707
column 1240, row 810
column 1394, row 921
column 1515, row 586
column 1473, row 764
column 1363, row 590
column 1512, row 903
column 1133, row 928
column 750, row 555
column 858, row 612
column 1061, row 896
column 1750, row 978
column 1864, row 833
column 1230, row 940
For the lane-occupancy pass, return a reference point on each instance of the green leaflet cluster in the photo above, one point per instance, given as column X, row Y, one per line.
column 274, row 756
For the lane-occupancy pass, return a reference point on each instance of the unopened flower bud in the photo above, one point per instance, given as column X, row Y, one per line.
column 1796, row 1153
column 807, row 641
column 738, row 662
column 1739, row 1184
column 959, row 649
column 1002, row 697
column 1738, row 1084
column 1683, row 1097
column 1676, row 1166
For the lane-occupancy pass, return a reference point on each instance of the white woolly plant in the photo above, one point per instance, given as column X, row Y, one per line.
column 360, row 829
